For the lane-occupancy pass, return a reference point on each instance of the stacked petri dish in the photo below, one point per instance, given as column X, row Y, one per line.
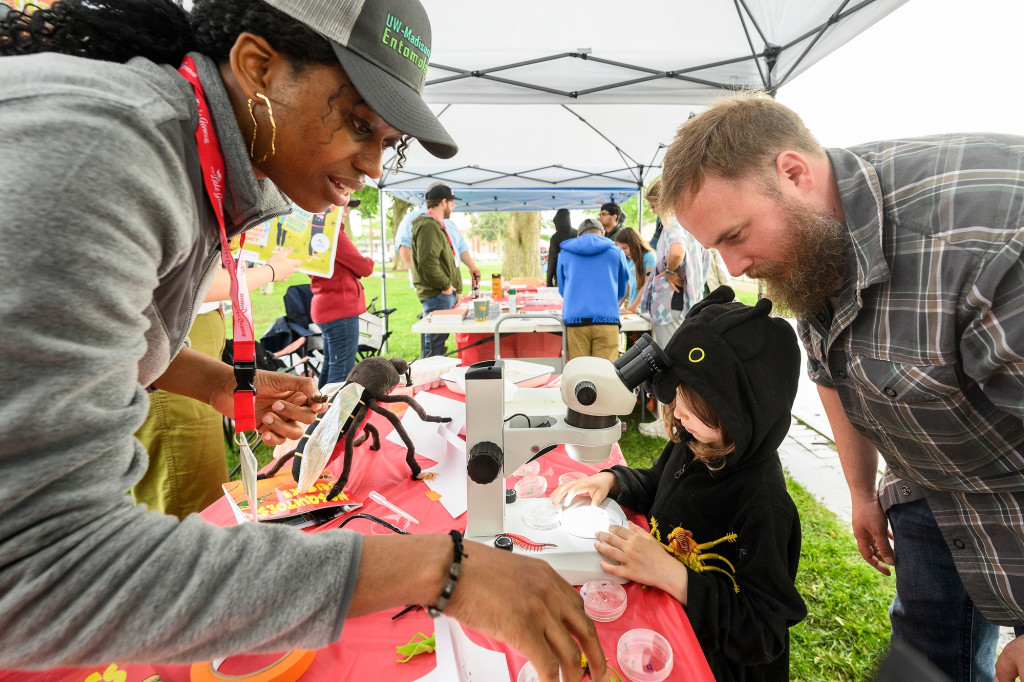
column 603, row 600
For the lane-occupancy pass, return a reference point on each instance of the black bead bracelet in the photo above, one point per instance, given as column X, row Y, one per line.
column 453, row 575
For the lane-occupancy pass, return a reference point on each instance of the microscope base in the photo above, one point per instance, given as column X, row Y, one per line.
column 574, row 558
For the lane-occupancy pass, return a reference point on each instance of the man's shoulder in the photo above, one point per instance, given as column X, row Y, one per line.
column 425, row 221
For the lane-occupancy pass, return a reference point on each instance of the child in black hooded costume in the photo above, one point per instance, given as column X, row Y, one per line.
column 732, row 382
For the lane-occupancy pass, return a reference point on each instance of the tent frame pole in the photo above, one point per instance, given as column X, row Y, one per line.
column 383, row 266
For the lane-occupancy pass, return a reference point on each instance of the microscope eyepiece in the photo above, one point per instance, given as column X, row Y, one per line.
column 642, row 360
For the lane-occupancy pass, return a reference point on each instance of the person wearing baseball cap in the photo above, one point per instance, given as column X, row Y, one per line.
column 167, row 132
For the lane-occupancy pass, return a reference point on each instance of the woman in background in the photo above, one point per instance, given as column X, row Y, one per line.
column 642, row 263
column 338, row 301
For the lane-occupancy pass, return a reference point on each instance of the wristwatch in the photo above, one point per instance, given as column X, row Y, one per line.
column 674, row 271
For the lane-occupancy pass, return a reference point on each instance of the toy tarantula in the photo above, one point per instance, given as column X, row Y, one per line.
column 376, row 376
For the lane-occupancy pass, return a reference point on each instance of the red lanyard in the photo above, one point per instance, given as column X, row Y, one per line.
column 444, row 229
column 212, row 163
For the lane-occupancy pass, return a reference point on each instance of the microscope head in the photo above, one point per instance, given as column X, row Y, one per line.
column 595, row 391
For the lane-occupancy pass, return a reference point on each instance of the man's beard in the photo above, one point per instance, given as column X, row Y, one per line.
column 812, row 264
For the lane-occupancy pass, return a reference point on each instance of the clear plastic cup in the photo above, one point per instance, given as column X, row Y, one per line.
column 644, row 656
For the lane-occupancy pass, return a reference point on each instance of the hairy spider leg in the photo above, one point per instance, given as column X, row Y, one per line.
column 411, row 402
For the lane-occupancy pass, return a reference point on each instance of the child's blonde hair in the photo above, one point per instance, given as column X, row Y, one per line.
column 712, row 454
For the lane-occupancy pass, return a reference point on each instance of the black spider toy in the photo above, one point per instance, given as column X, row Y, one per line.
column 377, row 376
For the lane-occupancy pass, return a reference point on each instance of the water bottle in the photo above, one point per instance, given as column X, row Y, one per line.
column 512, row 300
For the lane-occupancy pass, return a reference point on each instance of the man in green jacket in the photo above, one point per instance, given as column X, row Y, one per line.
column 435, row 271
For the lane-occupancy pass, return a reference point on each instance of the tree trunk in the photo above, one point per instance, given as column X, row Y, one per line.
column 522, row 254
column 398, row 210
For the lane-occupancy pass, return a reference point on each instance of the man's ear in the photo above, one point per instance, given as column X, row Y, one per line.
column 796, row 177
column 255, row 64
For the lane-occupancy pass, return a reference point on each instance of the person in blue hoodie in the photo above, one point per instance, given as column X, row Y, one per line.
column 592, row 279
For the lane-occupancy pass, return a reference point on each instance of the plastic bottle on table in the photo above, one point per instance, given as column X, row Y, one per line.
column 496, row 285
column 512, row 300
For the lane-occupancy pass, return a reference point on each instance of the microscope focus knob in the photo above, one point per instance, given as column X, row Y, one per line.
column 586, row 393
column 485, row 461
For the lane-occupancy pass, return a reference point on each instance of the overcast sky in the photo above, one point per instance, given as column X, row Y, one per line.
column 932, row 66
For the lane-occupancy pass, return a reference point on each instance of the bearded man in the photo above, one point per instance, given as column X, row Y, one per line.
column 902, row 262
column 435, row 270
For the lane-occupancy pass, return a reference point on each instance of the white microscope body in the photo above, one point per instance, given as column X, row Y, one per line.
column 595, row 392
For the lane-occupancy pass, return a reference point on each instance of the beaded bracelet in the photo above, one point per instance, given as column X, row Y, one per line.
column 453, row 575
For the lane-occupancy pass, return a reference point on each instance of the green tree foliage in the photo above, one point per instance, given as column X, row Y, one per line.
column 490, row 227
column 369, row 206
column 629, row 208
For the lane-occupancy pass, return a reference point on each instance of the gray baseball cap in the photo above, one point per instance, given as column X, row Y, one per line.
column 384, row 47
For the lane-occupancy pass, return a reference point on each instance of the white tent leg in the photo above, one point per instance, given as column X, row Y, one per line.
column 383, row 268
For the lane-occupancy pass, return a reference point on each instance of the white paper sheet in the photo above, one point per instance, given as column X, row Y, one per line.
column 439, row 406
column 450, row 481
column 458, row 658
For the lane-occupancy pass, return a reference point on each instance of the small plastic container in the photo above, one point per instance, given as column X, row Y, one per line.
column 531, row 486
column 529, row 674
column 528, row 469
column 542, row 516
column 395, row 520
column 644, row 656
column 570, row 476
column 603, row 600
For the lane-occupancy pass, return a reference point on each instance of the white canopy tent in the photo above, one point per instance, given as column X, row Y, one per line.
column 571, row 103
column 576, row 95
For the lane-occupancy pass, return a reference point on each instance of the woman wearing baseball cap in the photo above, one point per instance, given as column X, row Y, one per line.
column 135, row 138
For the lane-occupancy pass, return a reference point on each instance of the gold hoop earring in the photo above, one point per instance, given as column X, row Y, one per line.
column 255, row 126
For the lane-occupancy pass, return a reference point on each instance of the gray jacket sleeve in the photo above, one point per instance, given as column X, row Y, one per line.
column 94, row 214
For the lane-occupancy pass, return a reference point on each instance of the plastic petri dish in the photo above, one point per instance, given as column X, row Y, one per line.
column 528, row 469
column 603, row 600
column 570, row 476
column 529, row 674
column 644, row 656
column 542, row 516
column 395, row 520
column 531, row 486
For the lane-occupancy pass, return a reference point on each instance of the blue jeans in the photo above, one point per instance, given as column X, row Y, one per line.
column 433, row 344
column 932, row 611
column 341, row 339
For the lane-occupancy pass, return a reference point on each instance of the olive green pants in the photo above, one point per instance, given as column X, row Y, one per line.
column 185, row 440
column 598, row 340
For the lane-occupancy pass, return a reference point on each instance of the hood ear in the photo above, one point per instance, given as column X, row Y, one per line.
column 723, row 294
column 401, row 366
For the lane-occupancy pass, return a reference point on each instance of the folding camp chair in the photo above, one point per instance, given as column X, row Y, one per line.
column 372, row 324
column 294, row 338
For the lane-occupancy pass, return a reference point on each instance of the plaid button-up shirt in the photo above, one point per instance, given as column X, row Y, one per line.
column 925, row 344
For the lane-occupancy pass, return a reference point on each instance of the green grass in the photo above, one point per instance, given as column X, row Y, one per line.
column 847, row 629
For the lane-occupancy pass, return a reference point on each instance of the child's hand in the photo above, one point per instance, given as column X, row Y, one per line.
column 597, row 486
column 641, row 559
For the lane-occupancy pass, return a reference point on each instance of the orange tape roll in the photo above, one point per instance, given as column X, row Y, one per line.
column 288, row 668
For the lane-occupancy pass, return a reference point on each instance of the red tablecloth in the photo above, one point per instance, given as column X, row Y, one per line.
column 366, row 650
column 513, row 345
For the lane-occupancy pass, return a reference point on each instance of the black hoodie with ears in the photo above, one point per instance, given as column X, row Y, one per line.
column 746, row 365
